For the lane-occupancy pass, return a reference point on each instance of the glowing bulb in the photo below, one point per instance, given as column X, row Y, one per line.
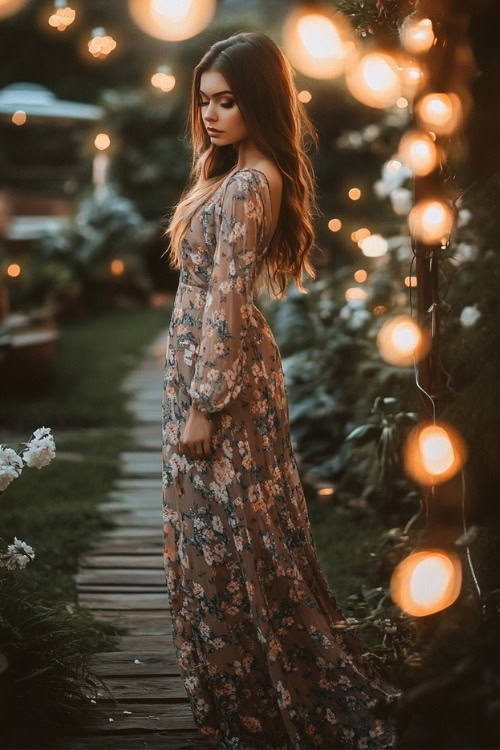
column 101, row 44
column 354, row 194
column 163, row 79
column 373, row 246
column 172, row 20
column 426, row 581
column 102, row 141
column 62, row 18
column 374, row 80
column 318, row 44
column 410, row 281
column 433, row 453
column 417, row 36
column 441, row 112
column 430, row 221
column 418, row 151
column 400, row 340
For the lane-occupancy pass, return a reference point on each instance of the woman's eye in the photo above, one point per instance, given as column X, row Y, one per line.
column 202, row 104
column 227, row 105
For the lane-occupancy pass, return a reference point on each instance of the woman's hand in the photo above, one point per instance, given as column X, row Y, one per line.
column 196, row 436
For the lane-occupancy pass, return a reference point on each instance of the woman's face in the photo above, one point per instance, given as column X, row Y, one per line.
column 219, row 110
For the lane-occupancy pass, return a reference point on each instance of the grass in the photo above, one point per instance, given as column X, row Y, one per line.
column 92, row 358
column 57, row 510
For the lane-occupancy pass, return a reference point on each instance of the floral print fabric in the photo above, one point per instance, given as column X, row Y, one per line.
column 254, row 621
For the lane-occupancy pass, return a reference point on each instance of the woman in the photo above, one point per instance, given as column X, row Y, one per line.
column 257, row 632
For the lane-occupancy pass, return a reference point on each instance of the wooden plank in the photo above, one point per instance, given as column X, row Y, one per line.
column 133, row 591
column 125, row 508
column 110, row 576
column 152, row 562
column 171, row 740
column 128, row 546
column 127, row 483
column 142, row 717
column 145, row 643
column 136, row 663
column 154, row 622
column 125, row 601
column 145, row 689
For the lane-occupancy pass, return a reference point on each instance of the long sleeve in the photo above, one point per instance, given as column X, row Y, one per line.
column 227, row 316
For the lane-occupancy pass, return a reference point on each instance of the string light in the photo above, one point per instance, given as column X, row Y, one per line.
column 440, row 111
column 433, row 452
column 426, row 581
column 418, row 151
column 417, row 35
column 374, row 80
column 400, row 341
column 320, row 45
column 172, row 20
column 430, row 221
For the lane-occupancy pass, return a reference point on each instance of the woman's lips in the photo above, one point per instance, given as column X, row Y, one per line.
column 212, row 131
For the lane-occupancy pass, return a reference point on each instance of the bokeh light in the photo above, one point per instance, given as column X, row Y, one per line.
column 417, row 35
column 374, row 80
column 373, row 246
column 319, row 44
column 9, row 7
column 354, row 194
column 418, row 151
column 426, row 581
column 62, row 17
column 433, row 452
column 305, row 96
column 440, row 112
column 117, row 267
column 102, row 141
column 400, row 341
column 431, row 221
column 334, row 225
column 355, row 292
column 13, row 270
column 19, row 117
column 172, row 20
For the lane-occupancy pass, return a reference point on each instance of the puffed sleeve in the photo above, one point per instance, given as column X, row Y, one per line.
column 219, row 367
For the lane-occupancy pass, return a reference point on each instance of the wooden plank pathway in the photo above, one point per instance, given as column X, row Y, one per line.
column 123, row 577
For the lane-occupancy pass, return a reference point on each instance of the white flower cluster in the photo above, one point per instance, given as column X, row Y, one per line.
column 18, row 555
column 38, row 452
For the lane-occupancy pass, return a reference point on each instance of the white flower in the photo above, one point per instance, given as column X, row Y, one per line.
column 11, row 465
column 469, row 315
column 18, row 555
column 41, row 449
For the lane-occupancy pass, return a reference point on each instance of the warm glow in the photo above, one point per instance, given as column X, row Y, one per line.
column 334, row 225
column 354, row 194
column 431, row 221
column 101, row 44
column 400, row 341
column 317, row 44
column 418, row 151
column 62, row 18
column 412, row 77
column 373, row 246
column 19, row 117
column 102, row 141
column 13, row 270
column 426, row 581
column 374, row 80
column 117, row 267
column 410, row 281
column 305, row 96
column 360, row 275
column 441, row 112
column 402, row 102
column 163, row 80
column 9, row 7
column 433, row 453
column 360, row 234
column 355, row 292
column 417, row 36
column 172, row 20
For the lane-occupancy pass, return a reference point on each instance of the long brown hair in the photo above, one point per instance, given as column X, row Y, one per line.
column 261, row 80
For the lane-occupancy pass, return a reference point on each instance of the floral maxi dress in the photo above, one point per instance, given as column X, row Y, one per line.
column 253, row 617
